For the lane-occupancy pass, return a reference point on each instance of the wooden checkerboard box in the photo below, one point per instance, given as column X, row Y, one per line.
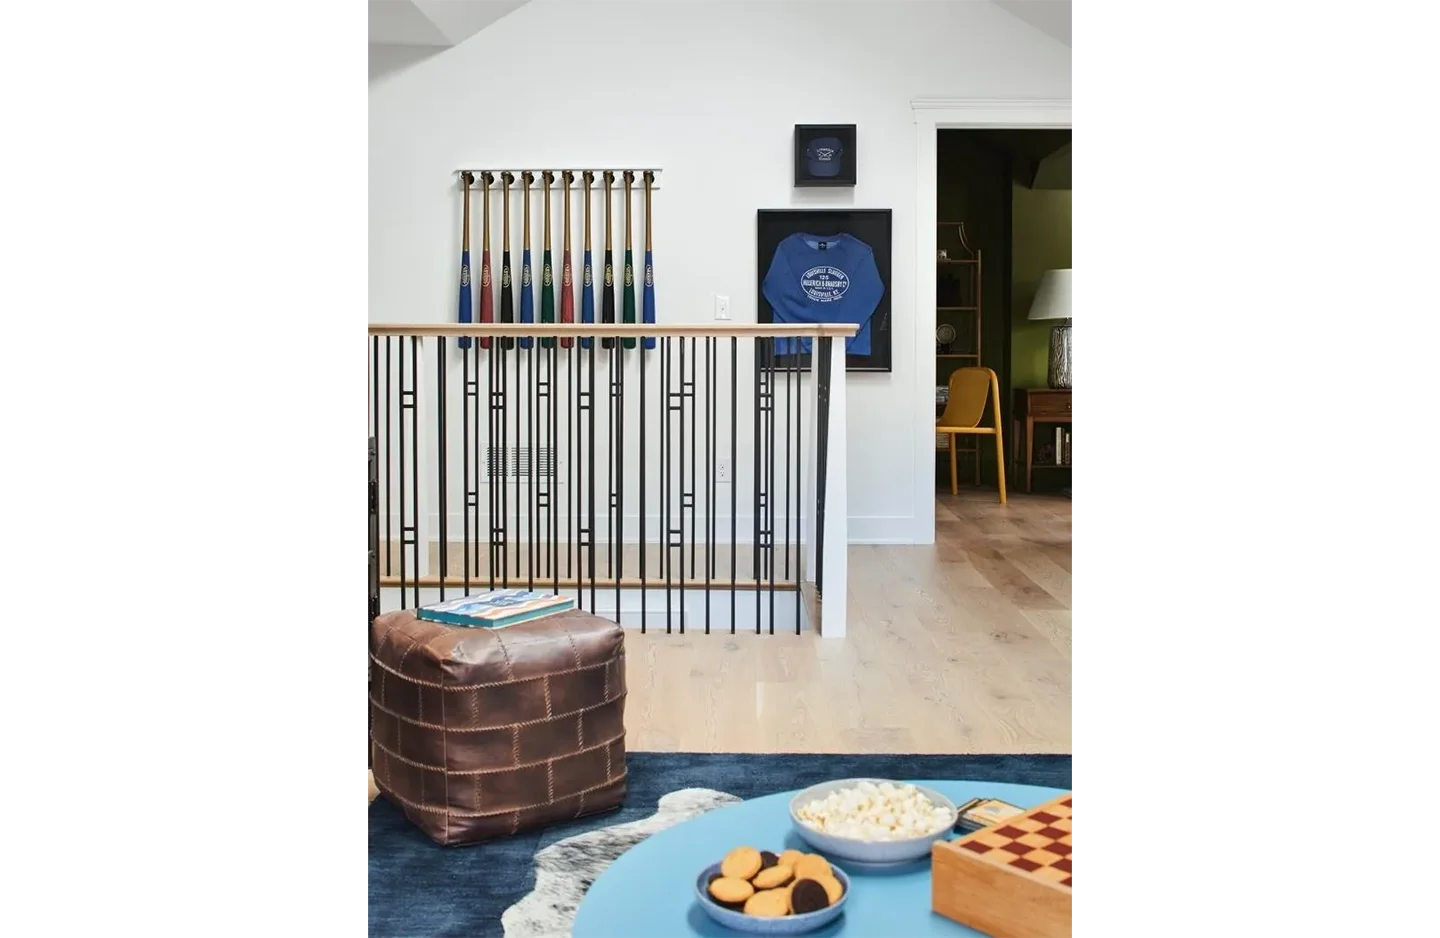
column 1011, row 880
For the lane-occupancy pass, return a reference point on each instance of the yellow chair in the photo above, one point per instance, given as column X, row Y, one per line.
column 969, row 390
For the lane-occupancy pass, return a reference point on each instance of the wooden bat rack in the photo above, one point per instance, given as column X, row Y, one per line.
column 536, row 174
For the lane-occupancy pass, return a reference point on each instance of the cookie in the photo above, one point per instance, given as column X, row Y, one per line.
column 771, row 903
column 767, row 859
column 833, row 889
column 811, row 866
column 773, row 876
column 791, row 857
column 806, row 895
column 743, row 863
column 729, row 891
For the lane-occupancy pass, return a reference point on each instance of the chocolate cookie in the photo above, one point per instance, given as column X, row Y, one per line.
column 767, row 859
column 730, row 892
column 806, row 896
column 833, row 889
column 743, row 863
column 773, row 876
column 771, row 903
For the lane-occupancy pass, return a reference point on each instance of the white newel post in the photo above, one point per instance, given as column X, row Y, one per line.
column 837, row 500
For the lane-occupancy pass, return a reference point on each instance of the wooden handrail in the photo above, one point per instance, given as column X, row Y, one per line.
column 541, row 330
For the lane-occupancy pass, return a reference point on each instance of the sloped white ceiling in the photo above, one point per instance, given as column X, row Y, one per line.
column 1051, row 17
column 441, row 23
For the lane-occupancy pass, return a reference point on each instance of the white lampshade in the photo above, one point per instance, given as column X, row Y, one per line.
column 1052, row 300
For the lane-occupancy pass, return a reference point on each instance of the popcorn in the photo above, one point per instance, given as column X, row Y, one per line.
column 875, row 812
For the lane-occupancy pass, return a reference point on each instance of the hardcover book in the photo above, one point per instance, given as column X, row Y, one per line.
column 494, row 609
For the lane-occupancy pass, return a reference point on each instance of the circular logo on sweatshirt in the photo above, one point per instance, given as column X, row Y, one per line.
column 825, row 284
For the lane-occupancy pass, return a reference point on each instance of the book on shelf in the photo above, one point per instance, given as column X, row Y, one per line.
column 1066, row 460
column 496, row 609
column 1059, row 446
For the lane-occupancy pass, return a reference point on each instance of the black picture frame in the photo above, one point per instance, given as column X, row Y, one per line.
column 870, row 225
column 826, row 135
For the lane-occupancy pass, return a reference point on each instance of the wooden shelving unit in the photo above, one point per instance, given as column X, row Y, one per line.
column 958, row 279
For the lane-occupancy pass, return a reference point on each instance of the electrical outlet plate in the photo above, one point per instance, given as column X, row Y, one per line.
column 722, row 307
column 722, row 470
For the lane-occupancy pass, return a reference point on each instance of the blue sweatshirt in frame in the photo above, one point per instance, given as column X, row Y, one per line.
column 823, row 279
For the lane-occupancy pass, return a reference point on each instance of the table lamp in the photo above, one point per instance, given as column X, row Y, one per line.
column 1052, row 301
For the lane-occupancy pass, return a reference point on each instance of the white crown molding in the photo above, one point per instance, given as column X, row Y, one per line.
column 928, row 103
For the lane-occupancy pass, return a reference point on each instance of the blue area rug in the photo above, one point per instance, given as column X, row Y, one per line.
column 419, row 889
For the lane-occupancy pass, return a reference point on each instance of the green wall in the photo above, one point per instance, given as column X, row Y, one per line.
column 1041, row 242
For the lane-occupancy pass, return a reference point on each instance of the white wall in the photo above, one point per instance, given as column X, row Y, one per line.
column 710, row 91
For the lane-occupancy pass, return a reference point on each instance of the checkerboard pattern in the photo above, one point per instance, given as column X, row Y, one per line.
column 1035, row 844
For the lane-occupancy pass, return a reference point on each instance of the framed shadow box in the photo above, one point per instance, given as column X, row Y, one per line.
column 825, row 154
column 826, row 265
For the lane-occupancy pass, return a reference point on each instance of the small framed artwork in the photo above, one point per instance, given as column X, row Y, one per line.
column 826, row 266
column 825, row 154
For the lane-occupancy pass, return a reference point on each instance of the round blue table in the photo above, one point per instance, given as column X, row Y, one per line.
column 650, row 889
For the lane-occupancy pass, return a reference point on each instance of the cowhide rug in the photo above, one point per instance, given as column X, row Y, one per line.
column 565, row 869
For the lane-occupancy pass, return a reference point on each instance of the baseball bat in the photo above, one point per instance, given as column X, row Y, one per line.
column 467, row 306
column 527, row 293
column 487, row 285
column 587, row 288
column 567, row 283
column 627, row 303
column 647, row 302
column 507, row 294
column 607, row 301
column 547, row 271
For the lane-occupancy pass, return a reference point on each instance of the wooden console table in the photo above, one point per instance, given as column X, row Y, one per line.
column 1032, row 406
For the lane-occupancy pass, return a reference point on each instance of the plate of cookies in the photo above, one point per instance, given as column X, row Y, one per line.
column 766, row 893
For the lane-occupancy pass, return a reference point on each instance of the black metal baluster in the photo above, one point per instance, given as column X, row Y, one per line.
column 572, row 474
column 590, row 403
column 770, row 480
column 389, row 455
column 734, row 465
column 442, row 474
column 799, row 483
column 532, row 388
column 503, row 543
column 644, row 536
column 400, row 429
column 617, row 433
column 465, row 467
column 665, row 353
column 415, row 465
column 709, row 473
column 680, row 483
column 758, row 496
column 492, row 436
column 822, row 454
column 694, row 419
column 554, row 463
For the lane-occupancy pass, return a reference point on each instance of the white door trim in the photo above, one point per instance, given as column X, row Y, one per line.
column 932, row 114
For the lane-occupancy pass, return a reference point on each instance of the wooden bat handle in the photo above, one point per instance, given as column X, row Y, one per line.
column 548, row 177
column 506, row 178
column 649, row 176
column 609, row 178
column 465, row 224
column 589, row 177
column 526, row 177
column 487, row 179
column 629, row 178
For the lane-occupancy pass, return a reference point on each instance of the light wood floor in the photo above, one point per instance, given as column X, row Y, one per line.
column 963, row 646
column 958, row 647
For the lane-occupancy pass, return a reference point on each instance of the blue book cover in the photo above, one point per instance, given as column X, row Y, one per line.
column 495, row 609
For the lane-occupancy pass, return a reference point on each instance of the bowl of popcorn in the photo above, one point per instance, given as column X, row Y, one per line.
column 872, row 820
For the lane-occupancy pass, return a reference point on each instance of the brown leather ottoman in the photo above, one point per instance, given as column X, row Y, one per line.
column 479, row 733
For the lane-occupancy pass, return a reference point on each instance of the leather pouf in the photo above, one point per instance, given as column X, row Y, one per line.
column 479, row 733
